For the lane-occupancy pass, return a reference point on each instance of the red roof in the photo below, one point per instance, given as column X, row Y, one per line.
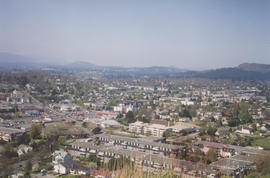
column 100, row 172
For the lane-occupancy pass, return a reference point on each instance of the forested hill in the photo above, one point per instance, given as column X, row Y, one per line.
column 234, row 73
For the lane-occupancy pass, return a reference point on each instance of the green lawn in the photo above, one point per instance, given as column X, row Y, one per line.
column 264, row 142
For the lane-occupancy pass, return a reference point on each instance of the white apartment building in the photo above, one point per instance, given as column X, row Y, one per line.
column 137, row 127
column 156, row 130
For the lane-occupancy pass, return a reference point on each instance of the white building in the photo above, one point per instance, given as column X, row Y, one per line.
column 156, row 130
column 60, row 168
column 137, row 127
column 23, row 149
column 244, row 131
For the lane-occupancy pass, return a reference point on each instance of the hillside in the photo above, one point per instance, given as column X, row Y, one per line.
column 255, row 67
column 234, row 73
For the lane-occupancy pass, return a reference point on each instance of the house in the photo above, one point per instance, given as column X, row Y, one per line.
column 17, row 175
column 110, row 123
column 223, row 132
column 61, row 156
column 69, row 107
column 18, row 97
column 23, row 149
column 225, row 153
column 205, row 138
column 184, row 119
column 71, row 167
column 245, row 131
column 63, row 164
column 122, row 108
column 77, row 169
column 4, row 96
column 60, row 168
column 10, row 134
column 205, row 150
column 106, row 115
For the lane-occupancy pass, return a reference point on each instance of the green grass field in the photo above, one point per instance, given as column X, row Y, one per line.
column 263, row 142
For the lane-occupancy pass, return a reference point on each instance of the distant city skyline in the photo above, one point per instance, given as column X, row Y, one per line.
column 190, row 34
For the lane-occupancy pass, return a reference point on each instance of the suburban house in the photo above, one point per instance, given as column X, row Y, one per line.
column 63, row 164
column 223, row 132
column 61, row 156
column 245, row 131
column 23, row 149
column 10, row 134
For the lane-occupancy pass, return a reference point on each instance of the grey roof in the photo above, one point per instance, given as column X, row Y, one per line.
column 236, row 148
column 10, row 130
column 138, row 141
column 142, row 156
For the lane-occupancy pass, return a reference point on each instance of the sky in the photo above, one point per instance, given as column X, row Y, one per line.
column 190, row 34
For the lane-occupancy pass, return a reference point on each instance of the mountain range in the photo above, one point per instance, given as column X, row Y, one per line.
column 246, row 71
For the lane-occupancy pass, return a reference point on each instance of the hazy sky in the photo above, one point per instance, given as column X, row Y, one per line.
column 194, row 34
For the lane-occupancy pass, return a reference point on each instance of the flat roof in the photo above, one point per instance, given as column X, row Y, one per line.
column 10, row 130
column 140, row 142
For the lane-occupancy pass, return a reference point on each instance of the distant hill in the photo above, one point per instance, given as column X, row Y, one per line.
column 234, row 73
column 10, row 61
column 246, row 71
column 255, row 67
column 80, row 65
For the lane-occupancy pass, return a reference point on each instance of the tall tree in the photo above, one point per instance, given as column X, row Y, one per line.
column 35, row 131
column 130, row 117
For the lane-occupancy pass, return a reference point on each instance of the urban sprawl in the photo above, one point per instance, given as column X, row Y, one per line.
column 58, row 125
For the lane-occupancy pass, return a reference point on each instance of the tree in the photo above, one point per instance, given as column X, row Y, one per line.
column 167, row 134
column 35, row 131
column 245, row 118
column 234, row 122
column 28, row 166
column 192, row 110
column 211, row 155
column 130, row 117
column 95, row 159
column 8, row 151
column 24, row 139
column 211, row 131
column 62, row 140
column 84, row 124
column 197, row 155
column 118, row 163
column 185, row 113
column 15, row 107
column 254, row 127
column 96, row 130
